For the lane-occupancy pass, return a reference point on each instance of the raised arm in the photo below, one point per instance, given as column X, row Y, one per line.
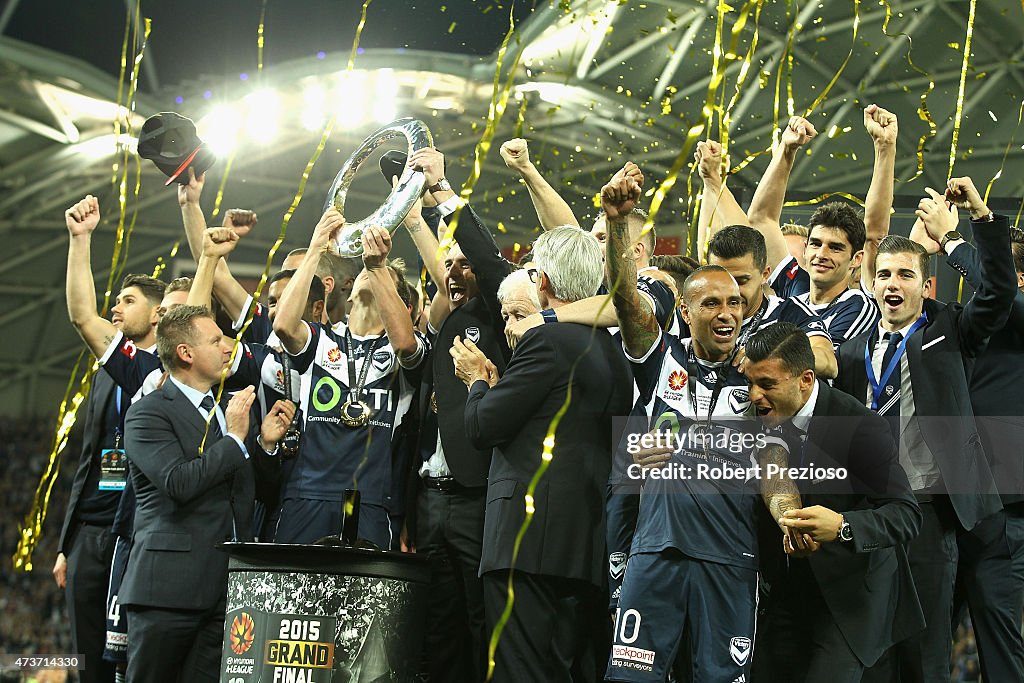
column 718, row 206
column 96, row 331
column 288, row 323
column 393, row 312
column 765, row 211
column 883, row 128
column 231, row 295
column 989, row 308
column 217, row 244
column 552, row 210
column 639, row 327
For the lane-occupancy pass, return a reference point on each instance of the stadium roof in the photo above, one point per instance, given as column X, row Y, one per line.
column 598, row 83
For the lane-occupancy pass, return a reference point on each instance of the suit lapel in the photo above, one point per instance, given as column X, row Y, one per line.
column 184, row 407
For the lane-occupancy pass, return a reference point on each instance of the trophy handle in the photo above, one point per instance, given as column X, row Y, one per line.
column 402, row 198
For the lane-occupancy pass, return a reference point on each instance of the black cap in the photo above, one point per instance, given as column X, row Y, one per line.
column 392, row 164
column 171, row 142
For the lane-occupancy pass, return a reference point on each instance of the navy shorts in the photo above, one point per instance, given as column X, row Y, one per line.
column 116, row 649
column 668, row 596
column 303, row 520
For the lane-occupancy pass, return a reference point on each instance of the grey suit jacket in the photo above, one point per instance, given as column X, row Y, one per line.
column 187, row 504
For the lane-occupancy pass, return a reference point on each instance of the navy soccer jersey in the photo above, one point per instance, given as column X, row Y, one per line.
column 335, row 457
column 698, row 511
column 784, row 310
column 789, row 279
column 851, row 313
column 260, row 329
column 136, row 371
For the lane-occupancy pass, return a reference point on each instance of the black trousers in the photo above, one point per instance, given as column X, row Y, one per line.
column 924, row 658
column 450, row 531
column 558, row 631
column 990, row 580
column 798, row 641
column 88, row 557
column 174, row 646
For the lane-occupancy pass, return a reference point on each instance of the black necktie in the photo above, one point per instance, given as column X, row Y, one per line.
column 889, row 400
column 207, row 404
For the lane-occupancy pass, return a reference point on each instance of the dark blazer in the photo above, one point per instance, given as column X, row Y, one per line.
column 185, row 504
column 554, row 365
column 866, row 583
column 100, row 396
column 996, row 383
column 467, row 463
column 941, row 358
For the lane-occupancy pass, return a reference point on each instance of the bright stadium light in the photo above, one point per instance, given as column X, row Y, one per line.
column 219, row 130
column 263, row 111
column 352, row 98
column 385, row 103
column 314, row 106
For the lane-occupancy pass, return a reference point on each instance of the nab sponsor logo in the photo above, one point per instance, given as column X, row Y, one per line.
column 739, row 650
column 616, row 565
column 129, row 349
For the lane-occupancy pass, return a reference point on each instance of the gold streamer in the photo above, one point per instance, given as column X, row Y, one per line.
column 496, row 110
column 67, row 413
column 853, row 44
column 223, row 182
column 963, row 84
column 823, row 197
column 1002, row 164
column 120, row 91
column 32, row 526
column 161, row 263
column 922, row 108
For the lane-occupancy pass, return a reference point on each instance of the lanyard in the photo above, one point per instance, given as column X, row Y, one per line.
column 354, row 391
column 119, row 428
column 876, row 386
column 691, row 389
column 755, row 322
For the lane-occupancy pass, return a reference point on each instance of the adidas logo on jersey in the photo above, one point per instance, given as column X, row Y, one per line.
column 741, row 679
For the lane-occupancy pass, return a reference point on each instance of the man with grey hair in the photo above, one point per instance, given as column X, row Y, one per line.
column 518, row 297
column 558, row 628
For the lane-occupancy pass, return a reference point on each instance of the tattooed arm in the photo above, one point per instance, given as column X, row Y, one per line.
column 781, row 495
column 639, row 327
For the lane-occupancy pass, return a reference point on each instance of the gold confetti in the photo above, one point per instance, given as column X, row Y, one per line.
column 960, row 93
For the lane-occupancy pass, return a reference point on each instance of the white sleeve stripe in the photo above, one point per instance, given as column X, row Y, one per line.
column 237, row 324
column 114, row 345
column 643, row 359
column 779, row 268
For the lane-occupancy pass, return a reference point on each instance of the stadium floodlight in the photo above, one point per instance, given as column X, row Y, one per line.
column 385, row 103
column 219, row 130
column 353, row 98
column 263, row 110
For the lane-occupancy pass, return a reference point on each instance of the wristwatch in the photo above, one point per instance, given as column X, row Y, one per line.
column 441, row 185
column 949, row 237
column 845, row 532
column 549, row 315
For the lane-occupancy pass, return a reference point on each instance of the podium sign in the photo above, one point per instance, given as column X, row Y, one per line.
column 314, row 619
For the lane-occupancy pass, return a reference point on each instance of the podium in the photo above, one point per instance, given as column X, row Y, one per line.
column 322, row 614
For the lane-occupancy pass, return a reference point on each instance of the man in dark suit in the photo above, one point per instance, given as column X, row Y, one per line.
column 86, row 544
column 448, row 491
column 194, row 488
column 570, row 380
column 914, row 371
column 990, row 573
column 846, row 595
